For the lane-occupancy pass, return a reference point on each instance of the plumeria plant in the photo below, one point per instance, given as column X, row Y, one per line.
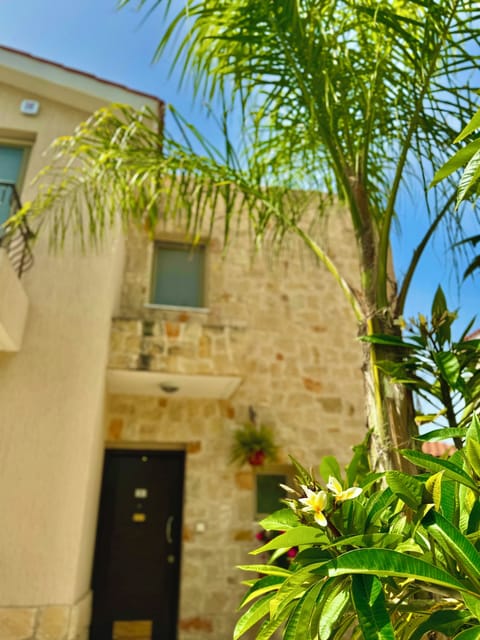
column 386, row 556
column 442, row 372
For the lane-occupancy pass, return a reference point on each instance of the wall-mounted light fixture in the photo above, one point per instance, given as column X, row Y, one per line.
column 168, row 388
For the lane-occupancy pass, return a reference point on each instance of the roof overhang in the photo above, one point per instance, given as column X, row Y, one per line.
column 63, row 84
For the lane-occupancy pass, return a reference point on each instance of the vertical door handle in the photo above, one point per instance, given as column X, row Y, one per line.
column 168, row 529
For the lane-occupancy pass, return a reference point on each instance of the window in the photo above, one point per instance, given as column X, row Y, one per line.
column 269, row 493
column 11, row 164
column 178, row 275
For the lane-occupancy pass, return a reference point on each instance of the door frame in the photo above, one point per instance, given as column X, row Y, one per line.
column 140, row 444
column 155, row 447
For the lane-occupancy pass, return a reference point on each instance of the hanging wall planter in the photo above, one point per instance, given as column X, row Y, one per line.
column 253, row 444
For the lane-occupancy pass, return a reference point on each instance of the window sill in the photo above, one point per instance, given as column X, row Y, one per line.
column 169, row 307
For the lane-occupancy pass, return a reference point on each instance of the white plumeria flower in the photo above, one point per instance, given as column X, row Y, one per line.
column 341, row 495
column 316, row 502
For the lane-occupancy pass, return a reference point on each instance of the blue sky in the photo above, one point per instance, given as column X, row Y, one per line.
column 92, row 36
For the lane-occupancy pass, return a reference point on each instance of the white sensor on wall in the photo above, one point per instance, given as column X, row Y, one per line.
column 30, row 107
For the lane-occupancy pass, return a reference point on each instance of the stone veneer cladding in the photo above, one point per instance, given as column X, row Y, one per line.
column 56, row 622
column 283, row 326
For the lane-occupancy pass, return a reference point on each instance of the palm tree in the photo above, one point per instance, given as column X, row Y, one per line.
column 351, row 99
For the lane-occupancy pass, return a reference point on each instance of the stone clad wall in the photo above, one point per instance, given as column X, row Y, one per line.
column 55, row 622
column 285, row 329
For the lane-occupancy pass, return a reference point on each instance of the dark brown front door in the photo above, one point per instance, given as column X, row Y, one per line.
column 137, row 554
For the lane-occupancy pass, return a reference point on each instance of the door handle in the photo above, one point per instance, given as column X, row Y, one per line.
column 168, row 529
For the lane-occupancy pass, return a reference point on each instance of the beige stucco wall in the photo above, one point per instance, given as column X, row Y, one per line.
column 281, row 326
column 284, row 328
column 52, row 407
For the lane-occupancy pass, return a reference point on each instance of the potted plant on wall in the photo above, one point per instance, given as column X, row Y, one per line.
column 253, row 443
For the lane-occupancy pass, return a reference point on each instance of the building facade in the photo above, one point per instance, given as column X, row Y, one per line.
column 143, row 359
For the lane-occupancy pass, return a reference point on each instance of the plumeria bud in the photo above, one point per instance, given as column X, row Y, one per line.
column 288, row 489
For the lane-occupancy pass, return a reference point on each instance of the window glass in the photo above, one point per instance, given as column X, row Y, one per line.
column 270, row 493
column 178, row 275
column 11, row 159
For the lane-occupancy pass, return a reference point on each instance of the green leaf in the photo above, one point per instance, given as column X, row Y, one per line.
column 451, row 470
column 442, row 434
column 473, row 431
column 470, row 128
column 294, row 538
column 457, row 161
column 456, row 545
column 269, row 627
column 329, row 467
column 469, row 634
column 335, row 597
column 280, row 520
column 293, row 588
column 472, row 452
column 466, row 501
column 367, row 540
column 303, row 475
column 299, row 624
column 406, row 487
column 369, row 601
column 447, row 622
column 470, row 177
column 260, row 587
column 377, row 504
column 439, row 305
column 472, row 267
column 254, row 614
column 448, row 499
column 389, row 563
column 474, row 520
column 391, row 341
column 434, row 486
column 473, row 604
column 448, row 365
column 359, row 465
column 267, row 569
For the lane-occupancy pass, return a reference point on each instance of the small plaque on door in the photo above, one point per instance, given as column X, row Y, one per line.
column 140, row 492
column 139, row 517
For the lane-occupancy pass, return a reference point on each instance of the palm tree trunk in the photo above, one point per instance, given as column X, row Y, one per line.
column 390, row 411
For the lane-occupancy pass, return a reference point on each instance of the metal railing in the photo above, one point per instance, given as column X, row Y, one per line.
column 15, row 239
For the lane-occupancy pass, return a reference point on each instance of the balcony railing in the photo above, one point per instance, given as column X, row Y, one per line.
column 15, row 239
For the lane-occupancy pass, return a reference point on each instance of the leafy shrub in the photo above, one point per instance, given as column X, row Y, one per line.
column 396, row 560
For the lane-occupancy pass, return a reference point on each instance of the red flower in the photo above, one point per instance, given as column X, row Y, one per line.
column 256, row 458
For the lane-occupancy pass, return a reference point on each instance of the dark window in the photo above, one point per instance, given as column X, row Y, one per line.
column 178, row 275
column 270, row 493
column 11, row 165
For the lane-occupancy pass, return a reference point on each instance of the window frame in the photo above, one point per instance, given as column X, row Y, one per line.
column 169, row 242
column 18, row 143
